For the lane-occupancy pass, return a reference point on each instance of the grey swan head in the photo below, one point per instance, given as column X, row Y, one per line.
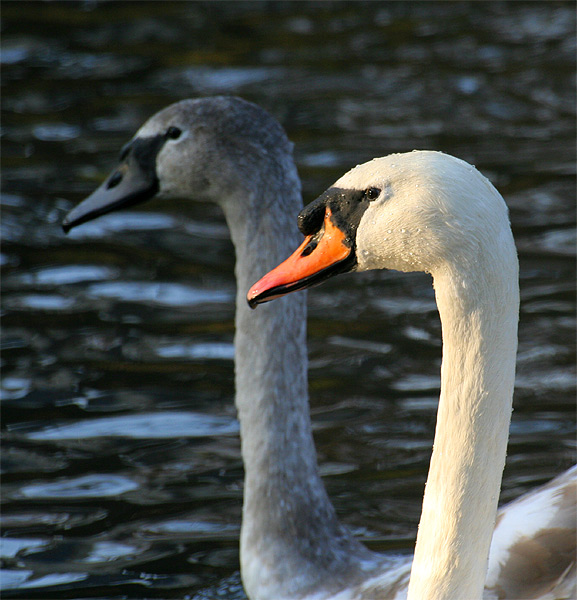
column 231, row 152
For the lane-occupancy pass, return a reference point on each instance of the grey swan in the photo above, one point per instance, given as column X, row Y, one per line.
column 292, row 546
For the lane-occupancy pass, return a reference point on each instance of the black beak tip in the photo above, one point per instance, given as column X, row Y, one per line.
column 252, row 302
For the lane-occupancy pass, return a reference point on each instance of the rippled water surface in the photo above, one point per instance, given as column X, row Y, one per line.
column 122, row 475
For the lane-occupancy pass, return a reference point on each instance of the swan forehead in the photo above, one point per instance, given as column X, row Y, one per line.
column 400, row 167
column 372, row 173
column 436, row 182
column 159, row 123
column 153, row 127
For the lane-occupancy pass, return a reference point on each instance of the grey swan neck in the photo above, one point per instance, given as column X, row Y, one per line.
column 291, row 541
column 478, row 303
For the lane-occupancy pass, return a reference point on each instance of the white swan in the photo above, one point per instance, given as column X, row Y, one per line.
column 231, row 152
column 426, row 211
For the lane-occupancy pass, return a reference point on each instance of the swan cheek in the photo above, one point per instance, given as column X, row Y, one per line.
column 376, row 244
column 387, row 241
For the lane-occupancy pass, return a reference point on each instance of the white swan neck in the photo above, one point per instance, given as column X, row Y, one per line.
column 479, row 315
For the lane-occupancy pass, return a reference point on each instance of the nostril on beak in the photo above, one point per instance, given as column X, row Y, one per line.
column 114, row 180
column 309, row 247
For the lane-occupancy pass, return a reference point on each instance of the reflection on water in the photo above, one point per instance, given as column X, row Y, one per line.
column 149, row 426
column 88, row 486
column 25, row 580
column 121, row 463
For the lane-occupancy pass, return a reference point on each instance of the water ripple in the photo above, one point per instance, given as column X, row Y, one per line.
column 87, row 486
column 56, row 132
column 24, row 579
column 161, row 294
column 40, row 302
column 218, row 80
column 109, row 551
column 63, row 275
column 123, row 221
column 212, row 351
column 148, row 426
column 187, row 528
column 58, row 519
column 10, row 547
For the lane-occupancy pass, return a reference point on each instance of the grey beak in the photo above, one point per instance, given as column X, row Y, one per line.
column 131, row 189
column 134, row 181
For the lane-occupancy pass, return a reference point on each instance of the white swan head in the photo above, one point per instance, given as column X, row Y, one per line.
column 419, row 211
column 206, row 149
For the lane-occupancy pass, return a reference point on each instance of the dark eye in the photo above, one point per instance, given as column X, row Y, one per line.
column 372, row 193
column 173, row 133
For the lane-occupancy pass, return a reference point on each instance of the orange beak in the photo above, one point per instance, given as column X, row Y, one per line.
column 312, row 262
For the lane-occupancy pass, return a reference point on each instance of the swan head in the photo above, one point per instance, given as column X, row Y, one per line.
column 205, row 149
column 418, row 211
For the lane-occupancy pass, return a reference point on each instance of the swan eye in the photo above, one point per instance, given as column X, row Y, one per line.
column 372, row 193
column 173, row 133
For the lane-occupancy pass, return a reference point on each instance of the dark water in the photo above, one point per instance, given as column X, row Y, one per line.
column 122, row 476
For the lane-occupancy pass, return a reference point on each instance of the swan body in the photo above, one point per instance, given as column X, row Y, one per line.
column 231, row 152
